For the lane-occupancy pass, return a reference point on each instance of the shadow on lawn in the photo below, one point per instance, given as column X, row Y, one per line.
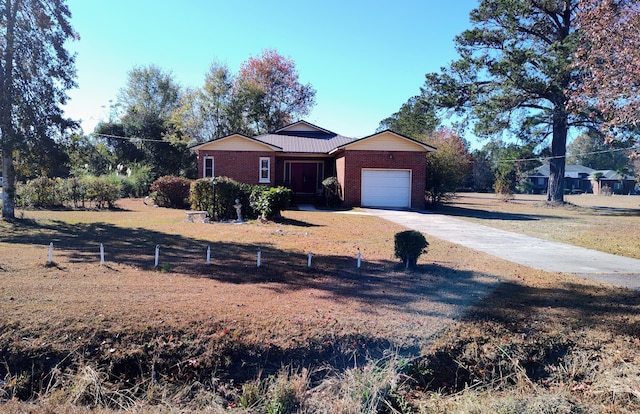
column 607, row 308
column 383, row 283
column 130, row 246
column 374, row 285
column 297, row 223
column 490, row 215
column 616, row 211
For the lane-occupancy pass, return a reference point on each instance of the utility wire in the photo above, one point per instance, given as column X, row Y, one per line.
column 127, row 138
column 565, row 156
column 514, row 160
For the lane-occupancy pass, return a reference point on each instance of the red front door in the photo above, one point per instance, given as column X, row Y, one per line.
column 304, row 177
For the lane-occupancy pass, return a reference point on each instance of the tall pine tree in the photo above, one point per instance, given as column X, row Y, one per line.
column 513, row 75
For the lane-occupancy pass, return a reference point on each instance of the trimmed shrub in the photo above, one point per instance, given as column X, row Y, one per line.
column 201, row 195
column 332, row 191
column 75, row 190
column 226, row 193
column 45, row 192
column 256, row 200
column 41, row 192
column 220, row 205
column 409, row 245
column 270, row 202
column 170, row 191
column 104, row 190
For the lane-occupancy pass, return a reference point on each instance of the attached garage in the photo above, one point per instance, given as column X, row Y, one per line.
column 386, row 188
column 385, row 169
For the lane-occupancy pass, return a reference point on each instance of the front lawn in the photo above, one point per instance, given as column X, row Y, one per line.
column 288, row 338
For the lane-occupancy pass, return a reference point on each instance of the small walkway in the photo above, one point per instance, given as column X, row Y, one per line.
column 529, row 251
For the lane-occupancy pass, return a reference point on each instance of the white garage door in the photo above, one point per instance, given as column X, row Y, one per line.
column 386, row 188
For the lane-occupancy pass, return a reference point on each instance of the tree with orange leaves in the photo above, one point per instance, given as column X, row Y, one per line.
column 608, row 58
column 274, row 97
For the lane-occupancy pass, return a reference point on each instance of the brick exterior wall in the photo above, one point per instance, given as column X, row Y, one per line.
column 340, row 169
column 241, row 166
column 355, row 161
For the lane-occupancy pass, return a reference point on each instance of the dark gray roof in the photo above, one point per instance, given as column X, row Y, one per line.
column 305, row 142
column 570, row 171
column 574, row 171
column 614, row 175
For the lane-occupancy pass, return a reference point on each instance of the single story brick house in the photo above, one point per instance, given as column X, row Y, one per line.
column 385, row 169
column 581, row 179
column 576, row 178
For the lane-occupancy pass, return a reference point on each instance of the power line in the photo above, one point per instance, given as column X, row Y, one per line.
column 128, row 138
column 565, row 156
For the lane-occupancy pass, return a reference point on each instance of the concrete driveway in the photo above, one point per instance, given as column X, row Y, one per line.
column 529, row 251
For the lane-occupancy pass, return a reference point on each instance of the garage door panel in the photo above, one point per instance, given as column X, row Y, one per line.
column 388, row 182
column 386, row 188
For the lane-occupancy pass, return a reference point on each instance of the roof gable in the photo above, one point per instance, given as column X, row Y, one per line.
column 388, row 141
column 236, row 142
column 302, row 126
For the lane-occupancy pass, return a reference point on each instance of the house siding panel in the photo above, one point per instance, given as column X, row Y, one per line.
column 234, row 143
column 240, row 166
column 385, row 141
column 355, row 161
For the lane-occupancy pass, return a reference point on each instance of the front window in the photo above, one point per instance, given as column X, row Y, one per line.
column 265, row 169
column 208, row 167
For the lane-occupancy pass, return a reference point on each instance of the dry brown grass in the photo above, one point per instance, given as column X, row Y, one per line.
column 126, row 335
column 610, row 224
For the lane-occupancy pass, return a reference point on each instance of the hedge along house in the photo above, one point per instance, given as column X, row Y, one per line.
column 385, row 169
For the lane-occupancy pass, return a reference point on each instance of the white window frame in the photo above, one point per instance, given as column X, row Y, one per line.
column 204, row 167
column 267, row 169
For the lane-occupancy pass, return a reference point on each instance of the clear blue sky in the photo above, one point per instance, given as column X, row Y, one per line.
column 364, row 58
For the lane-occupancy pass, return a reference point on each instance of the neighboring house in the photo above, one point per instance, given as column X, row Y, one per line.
column 581, row 179
column 385, row 169
column 576, row 178
column 611, row 182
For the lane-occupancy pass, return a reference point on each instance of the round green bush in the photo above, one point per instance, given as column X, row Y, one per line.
column 409, row 245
